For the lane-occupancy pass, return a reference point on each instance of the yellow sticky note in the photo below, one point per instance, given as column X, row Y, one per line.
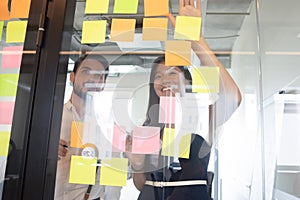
column 205, row 79
column 126, row 6
column 4, row 143
column 83, row 170
column 1, row 28
column 156, row 7
column 8, row 84
column 20, row 8
column 114, row 171
column 167, row 148
column 4, row 15
column 122, row 30
column 155, row 29
column 96, row 6
column 187, row 28
column 15, row 31
column 93, row 32
column 76, row 134
column 178, row 53
column 184, row 146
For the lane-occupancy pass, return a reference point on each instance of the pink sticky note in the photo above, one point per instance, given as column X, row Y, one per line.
column 12, row 57
column 146, row 140
column 167, row 110
column 6, row 112
column 119, row 138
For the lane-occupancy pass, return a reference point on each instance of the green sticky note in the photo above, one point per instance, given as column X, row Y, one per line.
column 126, row 6
column 187, row 28
column 16, row 31
column 1, row 28
column 96, row 6
column 8, row 84
column 205, row 79
column 167, row 148
column 93, row 32
column 4, row 143
column 83, row 170
column 114, row 171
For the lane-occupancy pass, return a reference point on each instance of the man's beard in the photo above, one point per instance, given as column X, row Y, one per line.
column 79, row 92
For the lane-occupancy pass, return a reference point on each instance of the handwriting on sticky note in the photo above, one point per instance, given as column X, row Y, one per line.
column 114, row 171
column 83, row 170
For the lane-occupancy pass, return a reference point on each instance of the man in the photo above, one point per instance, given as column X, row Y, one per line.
column 89, row 74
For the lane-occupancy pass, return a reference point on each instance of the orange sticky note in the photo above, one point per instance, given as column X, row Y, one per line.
column 93, row 32
column 114, row 171
column 187, row 28
column 20, row 8
column 4, row 143
column 156, row 7
column 6, row 112
column 122, row 30
column 178, row 53
column 15, row 31
column 155, row 29
column 1, row 29
column 12, row 56
column 145, row 140
column 83, row 170
column 76, row 134
column 4, row 15
column 8, row 84
column 167, row 148
column 96, row 6
column 126, row 6
column 205, row 79
column 167, row 110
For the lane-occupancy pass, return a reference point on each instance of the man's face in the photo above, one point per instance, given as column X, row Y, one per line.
column 90, row 76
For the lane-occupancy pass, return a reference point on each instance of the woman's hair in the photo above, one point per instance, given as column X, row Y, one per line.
column 153, row 103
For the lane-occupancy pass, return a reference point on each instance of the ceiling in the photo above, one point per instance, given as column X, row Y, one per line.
column 222, row 20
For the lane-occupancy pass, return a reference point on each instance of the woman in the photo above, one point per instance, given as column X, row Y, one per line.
column 150, row 170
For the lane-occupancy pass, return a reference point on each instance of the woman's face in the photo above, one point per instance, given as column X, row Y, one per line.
column 168, row 80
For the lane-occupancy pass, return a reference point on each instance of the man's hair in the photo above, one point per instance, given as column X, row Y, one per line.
column 101, row 59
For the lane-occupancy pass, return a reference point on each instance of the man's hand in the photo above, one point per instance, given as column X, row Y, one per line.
column 63, row 148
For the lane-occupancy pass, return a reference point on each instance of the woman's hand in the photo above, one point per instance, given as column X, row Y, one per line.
column 187, row 8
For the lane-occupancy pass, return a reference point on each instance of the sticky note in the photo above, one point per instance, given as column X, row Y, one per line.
column 146, row 140
column 167, row 110
column 184, row 146
column 205, row 79
column 6, row 112
column 156, row 7
column 113, row 171
column 155, row 29
column 15, row 31
column 178, row 53
column 1, row 29
column 77, row 129
column 93, row 32
column 167, row 148
column 119, row 138
column 4, row 15
column 122, row 30
column 126, row 6
column 12, row 56
column 187, row 28
column 83, row 170
column 8, row 84
column 4, row 143
column 20, row 8
column 96, row 6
